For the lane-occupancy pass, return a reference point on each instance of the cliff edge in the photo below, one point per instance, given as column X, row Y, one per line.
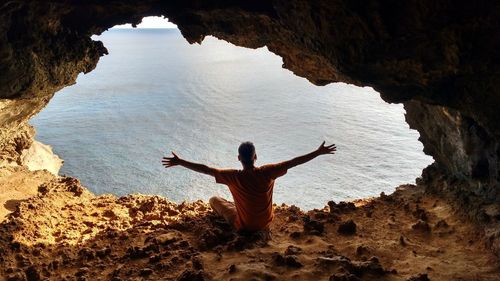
column 64, row 232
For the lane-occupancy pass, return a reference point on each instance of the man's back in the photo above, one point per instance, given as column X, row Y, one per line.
column 252, row 187
column 252, row 190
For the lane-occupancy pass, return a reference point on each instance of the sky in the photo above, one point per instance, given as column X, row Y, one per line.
column 150, row 22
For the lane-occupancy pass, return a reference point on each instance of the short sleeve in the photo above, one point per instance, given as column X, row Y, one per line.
column 275, row 170
column 225, row 176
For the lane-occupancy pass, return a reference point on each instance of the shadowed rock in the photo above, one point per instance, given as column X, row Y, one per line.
column 419, row 277
column 313, row 227
column 421, row 226
column 347, row 228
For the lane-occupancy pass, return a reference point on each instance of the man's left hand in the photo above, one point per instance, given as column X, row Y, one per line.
column 171, row 161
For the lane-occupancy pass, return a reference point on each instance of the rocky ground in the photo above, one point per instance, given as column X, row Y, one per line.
column 64, row 232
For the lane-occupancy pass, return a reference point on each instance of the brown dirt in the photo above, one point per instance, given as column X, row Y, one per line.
column 66, row 233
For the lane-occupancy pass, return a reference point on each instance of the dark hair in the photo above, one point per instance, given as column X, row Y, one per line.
column 246, row 152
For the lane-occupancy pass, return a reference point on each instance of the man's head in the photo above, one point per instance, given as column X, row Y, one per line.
column 246, row 153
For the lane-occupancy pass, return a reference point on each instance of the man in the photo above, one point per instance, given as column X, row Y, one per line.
column 252, row 187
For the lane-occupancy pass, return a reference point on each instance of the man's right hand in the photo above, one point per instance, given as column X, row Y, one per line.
column 176, row 161
column 328, row 149
column 171, row 161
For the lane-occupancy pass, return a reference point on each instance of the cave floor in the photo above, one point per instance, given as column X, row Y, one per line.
column 61, row 231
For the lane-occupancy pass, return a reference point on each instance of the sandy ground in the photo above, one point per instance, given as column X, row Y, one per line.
column 18, row 184
column 63, row 232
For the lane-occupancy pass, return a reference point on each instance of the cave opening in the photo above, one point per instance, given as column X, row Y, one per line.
column 439, row 59
column 155, row 93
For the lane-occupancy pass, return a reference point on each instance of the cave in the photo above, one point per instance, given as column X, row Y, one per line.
column 438, row 58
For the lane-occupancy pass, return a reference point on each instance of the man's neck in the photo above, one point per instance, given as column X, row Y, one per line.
column 249, row 167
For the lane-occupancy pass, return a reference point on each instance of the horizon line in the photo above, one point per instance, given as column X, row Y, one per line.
column 116, row 27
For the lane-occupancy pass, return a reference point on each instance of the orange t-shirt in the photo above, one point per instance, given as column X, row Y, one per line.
column 252, row 192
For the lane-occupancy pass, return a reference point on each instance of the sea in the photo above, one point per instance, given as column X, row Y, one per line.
column 155, row 93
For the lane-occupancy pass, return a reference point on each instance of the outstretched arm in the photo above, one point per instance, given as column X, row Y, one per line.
column 322, row 149
column 176, row 160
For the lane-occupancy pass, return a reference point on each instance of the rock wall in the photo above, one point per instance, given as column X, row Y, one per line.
column 13, row 145
column 439, row 58
column 458, row 143
column 41, row 157
column 466, row 159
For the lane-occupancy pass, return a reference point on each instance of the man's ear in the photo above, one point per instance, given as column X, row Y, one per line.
column 239, row 158
column 255, row 157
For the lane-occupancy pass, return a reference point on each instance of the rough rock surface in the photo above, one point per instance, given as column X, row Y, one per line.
column 439, row 58
column 67, row 233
